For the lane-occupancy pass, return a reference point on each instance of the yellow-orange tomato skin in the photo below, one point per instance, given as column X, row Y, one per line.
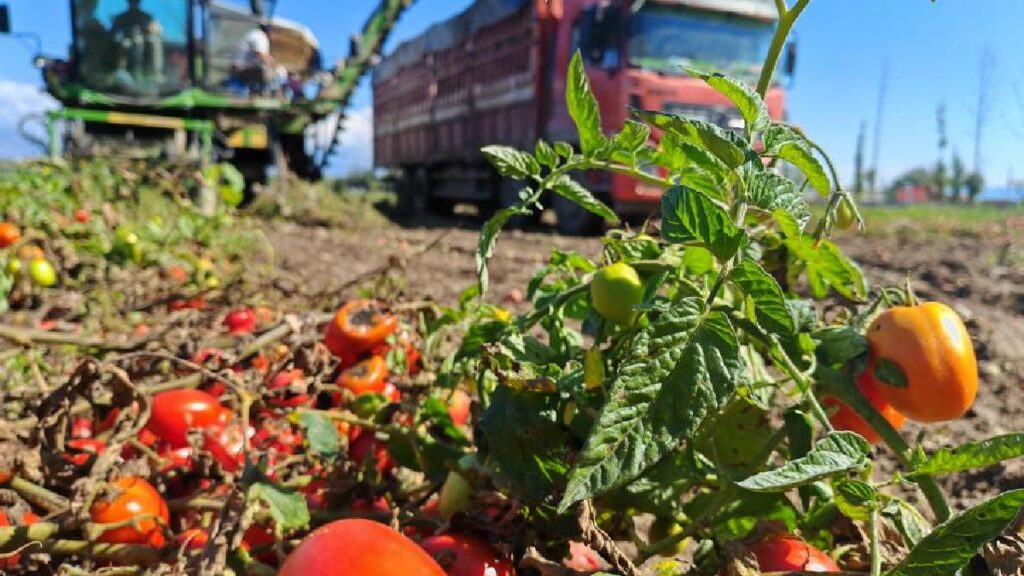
column 931, row 346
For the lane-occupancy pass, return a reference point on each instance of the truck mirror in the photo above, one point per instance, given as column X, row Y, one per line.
column 790, row 63
column 5, row 19
column 600, row 29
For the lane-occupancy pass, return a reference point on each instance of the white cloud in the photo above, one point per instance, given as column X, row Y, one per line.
column 355, row 151
column 17, row 100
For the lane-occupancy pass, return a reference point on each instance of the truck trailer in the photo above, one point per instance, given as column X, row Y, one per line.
column 495, row 74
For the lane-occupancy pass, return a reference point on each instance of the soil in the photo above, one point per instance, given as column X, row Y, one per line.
column 972, row 269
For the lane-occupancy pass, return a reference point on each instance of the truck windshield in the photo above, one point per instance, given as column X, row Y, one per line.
column 664, row 37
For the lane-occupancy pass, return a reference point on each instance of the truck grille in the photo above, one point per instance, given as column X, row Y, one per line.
column 728, row 118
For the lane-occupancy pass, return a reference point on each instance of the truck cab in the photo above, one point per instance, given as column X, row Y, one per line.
column 635, row 53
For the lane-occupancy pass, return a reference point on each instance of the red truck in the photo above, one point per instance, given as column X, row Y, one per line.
column 495, row 74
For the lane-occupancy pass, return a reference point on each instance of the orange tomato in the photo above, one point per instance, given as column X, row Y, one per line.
column 923, row 361
column 358, row 548
column 133, row 497
column 9, row 234
column 358, row 327
column 845, row 418
column 365, row 377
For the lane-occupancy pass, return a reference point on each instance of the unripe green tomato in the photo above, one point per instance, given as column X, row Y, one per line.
column 42, row 272
column 14, row 266
column 845, row 215
column 126, row 244
column 615, row 290
column 661, row 529
column 593, row 368
column 455, row 494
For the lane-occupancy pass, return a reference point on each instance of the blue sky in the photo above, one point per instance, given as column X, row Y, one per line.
column 933, row 53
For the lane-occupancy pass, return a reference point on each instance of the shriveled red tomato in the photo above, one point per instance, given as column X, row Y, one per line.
column 391, row 392
column 132, row 497
column 192, row 539
column 458, row 407
column 9, row 234
column 240, row 321
column 844, row 417
column 81, row 450
column 365, row 377
column 788, row 554
column 288, row 389
column 466, row 556
column 177, row 411
column 227, row 444
column 357, row 327
column 923, row 360
column 366, row 445
column 357, row 547
column 582, row 558
column 81, row 428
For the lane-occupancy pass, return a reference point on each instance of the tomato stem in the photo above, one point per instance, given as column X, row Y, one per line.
column 876, row 552
column 787, row 17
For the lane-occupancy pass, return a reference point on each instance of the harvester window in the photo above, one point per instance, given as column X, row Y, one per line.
column 132, row 47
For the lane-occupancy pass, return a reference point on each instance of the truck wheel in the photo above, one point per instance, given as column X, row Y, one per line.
column 413, row 192
column 508, row 195
column 574, row 220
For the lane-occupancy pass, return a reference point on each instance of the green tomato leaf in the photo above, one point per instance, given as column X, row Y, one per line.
column 787, row 143
column 768, row 192
column 678, row 369
column 321, row 434
column 583, row 107
column 837, row 345
column 574, row 191
column 523, row 444
column 769, row 303
column 736, row 436
column 511, row 162
column 973, row 455
column 826, row 267
column 746, row 100
column 287, row 507
column 489, row 237
column 855, row 498
column 632, row 137
column 725, row 145
column 690, row 216
column 545, row 154
column 681, row 156
column 836, row 453
column 800, row 436
column 952, row 544
column 890, row 373
column 907, row 520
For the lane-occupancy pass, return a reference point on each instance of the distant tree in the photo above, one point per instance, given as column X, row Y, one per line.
column 974, row 183
column 939, row 190
column 957, row 177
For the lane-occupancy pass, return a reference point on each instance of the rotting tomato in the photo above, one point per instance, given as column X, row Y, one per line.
column 365, row 377
column 132, row 497
column 176, row 411
column 357, row 547
column 615, row 290
column 458, row 407
column 227, row 444
column 81, row 428
column 240, row 321
column 9, row 234
column 461, row 555
column 192, row 539
column 357, row 327
column 788, row 554
column 27, row 519
column 923, row 360
column 288, row 389
column 367, row 445
column 845, row 418
column 79, row 451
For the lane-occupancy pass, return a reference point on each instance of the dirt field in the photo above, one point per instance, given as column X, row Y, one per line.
column 977, row 269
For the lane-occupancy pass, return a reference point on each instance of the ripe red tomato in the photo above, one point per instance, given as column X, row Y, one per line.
column 192, row 539
column 458, row 407
column 81, row 216
column 81, row 428
column 369, row 506
column 786, row 554
column 466, row 556
column 240, row 321
column 9, row 234
column 27, row 519
column 81, row 450
column 357, row 547
column 177, row 411
column 131, row 497
column 357, row 327
column 844, row 417
column 365, row 377
column 365, row 445
column 227, row 444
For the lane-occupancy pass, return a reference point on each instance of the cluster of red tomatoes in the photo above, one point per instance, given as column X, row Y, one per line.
column 194, row 437
column 921, row 367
